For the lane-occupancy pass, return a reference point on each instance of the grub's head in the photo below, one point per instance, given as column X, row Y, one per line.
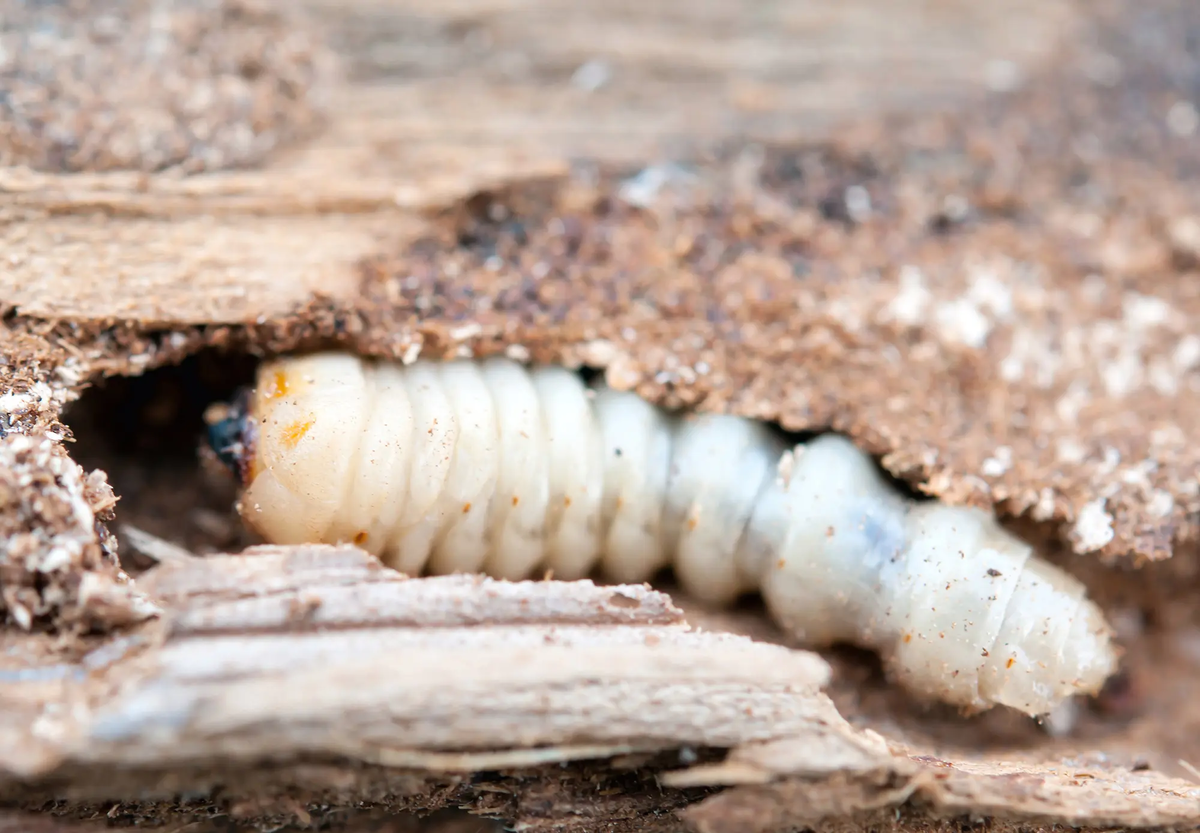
column 231, row 433
column 291, row 441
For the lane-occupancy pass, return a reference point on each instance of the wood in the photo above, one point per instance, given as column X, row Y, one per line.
column 425, row 121
column 283, row 686
column 320, row 657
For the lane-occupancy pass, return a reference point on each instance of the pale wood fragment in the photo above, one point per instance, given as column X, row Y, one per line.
column 774, row 785
column 285, row 652
column 266, row 661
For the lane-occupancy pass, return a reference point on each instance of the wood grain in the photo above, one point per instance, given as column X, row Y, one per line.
column 282, row 653
column 439, row 100
column 283, row 663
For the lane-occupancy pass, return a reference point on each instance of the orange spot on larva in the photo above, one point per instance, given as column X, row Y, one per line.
column 516, row 500
column 278, row 385
column 780, row 564
column 907, row 638
column 361, row 537
column 692, row 523
column 567, row 500
column 1011, row 662
column 295, row 432
column 466, row 507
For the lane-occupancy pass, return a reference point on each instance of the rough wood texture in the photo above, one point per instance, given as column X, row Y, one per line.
column 446, row 98
column 321, row 661
column 1042, row 293
column 320, row 652
column 994, row 206
column 323, row 651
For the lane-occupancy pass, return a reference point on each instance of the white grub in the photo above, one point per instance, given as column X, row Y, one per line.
column 491, row 466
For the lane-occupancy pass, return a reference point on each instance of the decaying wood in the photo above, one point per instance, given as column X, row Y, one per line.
column 1027, row 263
column 1083, row 793
column 320, row 651
column 319, row 659
column 427, row 120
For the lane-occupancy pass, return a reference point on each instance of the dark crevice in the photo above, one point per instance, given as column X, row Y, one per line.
column 146, row 433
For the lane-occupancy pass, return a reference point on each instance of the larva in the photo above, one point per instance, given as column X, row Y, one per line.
column 487, row 465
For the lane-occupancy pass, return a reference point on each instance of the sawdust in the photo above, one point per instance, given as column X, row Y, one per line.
column 960, row 294
column 59, row 564
column 993, row 301
column 202, row 85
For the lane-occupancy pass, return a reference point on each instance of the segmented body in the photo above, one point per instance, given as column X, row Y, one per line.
column 491, row 466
